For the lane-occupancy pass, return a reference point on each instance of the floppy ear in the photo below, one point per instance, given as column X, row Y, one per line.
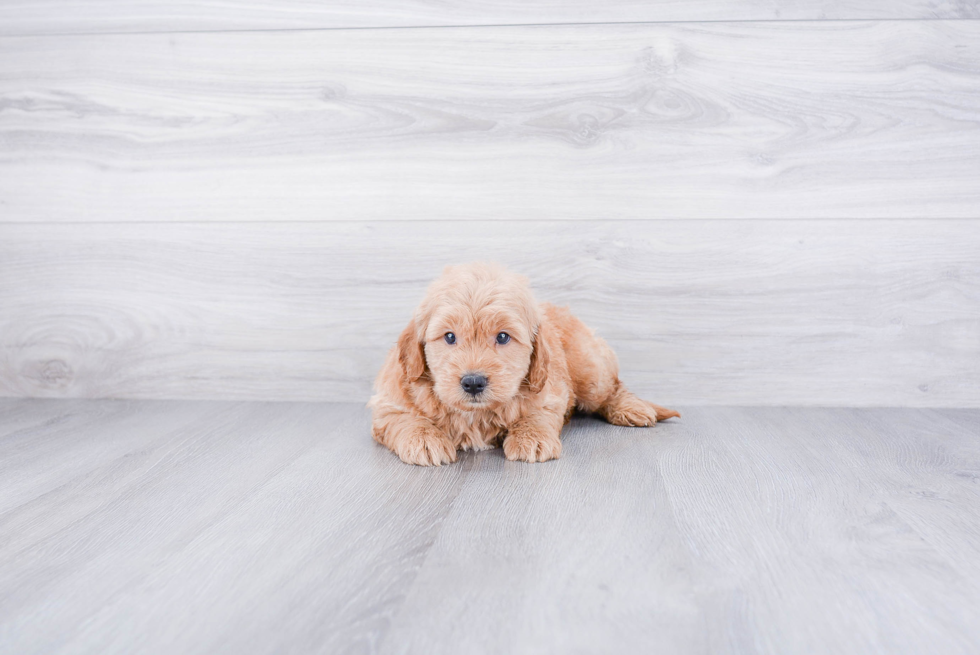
column 410, row 352
column 537, row 373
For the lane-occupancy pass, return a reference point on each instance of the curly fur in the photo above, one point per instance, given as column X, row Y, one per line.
column 552, row 365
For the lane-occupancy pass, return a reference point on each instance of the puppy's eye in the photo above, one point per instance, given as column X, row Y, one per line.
column 503, row 338
column 450, row 338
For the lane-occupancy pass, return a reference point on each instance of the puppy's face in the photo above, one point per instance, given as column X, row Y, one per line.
column 477, row 327
column 477, row 357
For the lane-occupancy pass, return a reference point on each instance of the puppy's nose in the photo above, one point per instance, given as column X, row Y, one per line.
column 473, row 383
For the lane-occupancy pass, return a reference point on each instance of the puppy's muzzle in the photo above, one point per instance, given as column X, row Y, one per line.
column 473, row 383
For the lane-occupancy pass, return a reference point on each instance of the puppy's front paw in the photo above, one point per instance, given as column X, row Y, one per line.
column 425, row 446
column 531, row 446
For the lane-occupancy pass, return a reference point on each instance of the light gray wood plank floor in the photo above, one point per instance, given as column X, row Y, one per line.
column 210, row 527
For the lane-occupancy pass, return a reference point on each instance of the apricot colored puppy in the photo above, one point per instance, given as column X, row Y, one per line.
column 482, row 361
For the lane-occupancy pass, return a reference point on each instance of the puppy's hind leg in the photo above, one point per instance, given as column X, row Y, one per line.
column 624, row 408
column 594, row 372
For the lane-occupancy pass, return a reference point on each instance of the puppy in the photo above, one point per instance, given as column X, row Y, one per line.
column 482, row 362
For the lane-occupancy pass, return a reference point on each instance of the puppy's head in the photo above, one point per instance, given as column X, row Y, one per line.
column 476, row 332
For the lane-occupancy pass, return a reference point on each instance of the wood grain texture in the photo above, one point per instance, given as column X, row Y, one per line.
column 732, row 530
column 709, row 120
column 20, row 17
column 240, row 503
column 281, row 527
column 858, row 313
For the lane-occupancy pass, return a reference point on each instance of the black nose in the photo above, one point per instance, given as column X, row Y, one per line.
column 473, row 384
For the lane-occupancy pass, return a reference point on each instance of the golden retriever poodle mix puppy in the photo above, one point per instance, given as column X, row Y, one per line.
column 483, row 362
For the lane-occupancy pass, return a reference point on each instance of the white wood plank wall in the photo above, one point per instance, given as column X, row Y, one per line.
column 756, row 202
column 752, row 312
column 720, row 120
column 105, row 16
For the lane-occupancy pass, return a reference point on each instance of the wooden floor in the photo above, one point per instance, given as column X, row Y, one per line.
column 212, row 527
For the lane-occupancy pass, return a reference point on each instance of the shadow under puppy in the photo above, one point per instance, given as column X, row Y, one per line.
column 482, row 361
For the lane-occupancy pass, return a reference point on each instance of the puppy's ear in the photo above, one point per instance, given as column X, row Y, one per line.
column 537, row 373
column 410, row 352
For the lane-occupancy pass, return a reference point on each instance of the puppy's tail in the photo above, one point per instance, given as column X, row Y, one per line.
column 663, row 413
